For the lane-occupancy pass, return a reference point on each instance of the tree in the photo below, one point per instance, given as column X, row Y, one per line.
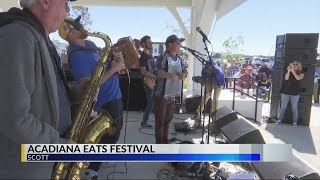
column 217, row 55
column 76, row 11
column 233, row 47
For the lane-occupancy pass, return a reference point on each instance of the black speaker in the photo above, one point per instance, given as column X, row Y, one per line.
column 193, row 103
column 297, row 40
column 306, row 56
column 223, row 116
column 306, row 83
column 279, row 170
column 275, row 104
column 242, row 132
column 304, row 108
column 135, row 95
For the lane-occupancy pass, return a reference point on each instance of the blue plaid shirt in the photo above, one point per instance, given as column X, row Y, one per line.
column 162, row 64
column 233, row 70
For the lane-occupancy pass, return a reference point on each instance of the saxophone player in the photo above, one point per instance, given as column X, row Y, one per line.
column 83, row 59
column 35, row 103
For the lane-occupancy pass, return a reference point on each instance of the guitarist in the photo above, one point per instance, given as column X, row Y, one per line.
column 212, row 90
column 146, row 63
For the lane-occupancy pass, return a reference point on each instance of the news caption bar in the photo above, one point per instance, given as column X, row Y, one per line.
column 156, row 152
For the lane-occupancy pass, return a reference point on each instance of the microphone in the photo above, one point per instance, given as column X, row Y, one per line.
column 203, row 35
column 192, row 51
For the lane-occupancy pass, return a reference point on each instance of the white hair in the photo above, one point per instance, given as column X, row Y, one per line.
column 27, row 3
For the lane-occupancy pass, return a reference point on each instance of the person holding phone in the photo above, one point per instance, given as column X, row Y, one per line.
column 291, row 91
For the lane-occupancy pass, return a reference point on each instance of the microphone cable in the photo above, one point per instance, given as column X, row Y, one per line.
column 125, row 129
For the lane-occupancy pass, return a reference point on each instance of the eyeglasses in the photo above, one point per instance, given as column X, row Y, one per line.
column 295, row 64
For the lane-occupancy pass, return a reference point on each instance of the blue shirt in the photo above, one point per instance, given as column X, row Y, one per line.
column 83, row 64
column 207, row 74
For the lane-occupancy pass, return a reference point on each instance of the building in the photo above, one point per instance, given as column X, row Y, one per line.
column 158, row 48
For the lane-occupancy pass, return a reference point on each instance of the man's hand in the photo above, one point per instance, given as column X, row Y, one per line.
column 182, row 76
column 117, row 64
column 174, row 77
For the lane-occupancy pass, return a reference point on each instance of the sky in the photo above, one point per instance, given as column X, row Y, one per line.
column 257, row 21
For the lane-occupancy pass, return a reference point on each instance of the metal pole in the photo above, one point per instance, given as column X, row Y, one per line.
column 234, row 92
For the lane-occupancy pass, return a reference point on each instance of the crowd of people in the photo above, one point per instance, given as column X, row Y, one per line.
column 248, row 76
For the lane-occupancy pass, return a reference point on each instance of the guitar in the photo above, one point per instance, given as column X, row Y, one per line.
column 198, row 79
column 149, row 82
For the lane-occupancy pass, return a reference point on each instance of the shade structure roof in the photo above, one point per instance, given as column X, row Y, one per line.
column 203, row 14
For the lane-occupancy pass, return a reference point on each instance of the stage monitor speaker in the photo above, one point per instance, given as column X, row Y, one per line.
column 193, row 103
column 241, row 131
column 297, row 40
column 223, row 116
column 279, row 170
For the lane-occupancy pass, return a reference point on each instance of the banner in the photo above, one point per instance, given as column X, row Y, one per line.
column 156, row 152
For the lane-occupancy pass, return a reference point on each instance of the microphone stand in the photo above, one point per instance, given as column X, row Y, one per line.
column 206, row 175
column 203, row 62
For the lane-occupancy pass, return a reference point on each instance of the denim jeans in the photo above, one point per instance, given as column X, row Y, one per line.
column 294, row 106
column 149, row 93
column 115, row 109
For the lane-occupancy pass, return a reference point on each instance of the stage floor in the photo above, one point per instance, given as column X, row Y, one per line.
column 305, row 142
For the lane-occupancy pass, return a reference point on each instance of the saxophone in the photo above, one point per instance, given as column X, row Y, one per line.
column 82, row 131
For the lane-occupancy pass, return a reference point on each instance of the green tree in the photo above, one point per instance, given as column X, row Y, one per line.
column 82, row 11
column 217, row 55
column 233, row 47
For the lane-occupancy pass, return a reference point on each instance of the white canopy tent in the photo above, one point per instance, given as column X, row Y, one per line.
column 203, row 14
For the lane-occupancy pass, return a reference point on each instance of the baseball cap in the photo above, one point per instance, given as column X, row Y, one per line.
column 173, row 38
column 65, row 28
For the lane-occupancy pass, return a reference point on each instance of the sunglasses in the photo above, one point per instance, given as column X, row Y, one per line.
column 295, row 64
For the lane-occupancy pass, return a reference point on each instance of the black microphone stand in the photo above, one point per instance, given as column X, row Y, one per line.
column 213, row 74
column 203, row 62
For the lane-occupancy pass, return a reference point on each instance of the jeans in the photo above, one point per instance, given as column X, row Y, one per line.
column 149, row 93
column 163, row 112
column 294, row 106
column 115, row 109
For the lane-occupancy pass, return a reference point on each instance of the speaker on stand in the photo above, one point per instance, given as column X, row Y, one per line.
column 291, row 46
column 137, row 96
